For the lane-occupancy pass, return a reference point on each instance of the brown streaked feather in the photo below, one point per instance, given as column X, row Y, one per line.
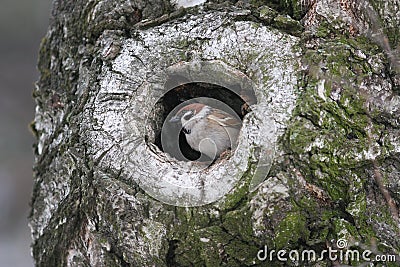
column 224, row 119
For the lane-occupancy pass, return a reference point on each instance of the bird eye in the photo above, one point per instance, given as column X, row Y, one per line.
column 188, row 115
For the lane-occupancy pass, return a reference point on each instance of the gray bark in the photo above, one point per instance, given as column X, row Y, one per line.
column 317, row 159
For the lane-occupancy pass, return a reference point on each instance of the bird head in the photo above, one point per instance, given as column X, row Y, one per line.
column 187, row 112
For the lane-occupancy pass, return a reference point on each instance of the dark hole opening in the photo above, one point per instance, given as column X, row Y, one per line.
column 189, row 91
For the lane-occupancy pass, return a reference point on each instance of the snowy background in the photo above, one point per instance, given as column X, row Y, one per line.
column 22, row 25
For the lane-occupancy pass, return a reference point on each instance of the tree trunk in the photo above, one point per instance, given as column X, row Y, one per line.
column 316, row 165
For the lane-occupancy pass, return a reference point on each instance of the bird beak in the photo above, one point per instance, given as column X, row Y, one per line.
column 175, row 119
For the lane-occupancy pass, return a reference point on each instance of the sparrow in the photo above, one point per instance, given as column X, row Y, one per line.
column 208, row 130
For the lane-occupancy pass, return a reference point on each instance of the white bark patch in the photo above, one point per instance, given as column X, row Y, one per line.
column 268, row 200
column 188, row 3
column 54, row 193
column 321, row 89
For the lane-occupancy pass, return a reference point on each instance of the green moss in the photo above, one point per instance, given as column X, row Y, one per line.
column 298, row 9
column 288, row 24
column 317, row 220
column 238, row 223
column 240, row 193
column 188, row 251
column 299, row 137
column 202, row 246
column 267, row 14
column 330, row 135
column 294, row 8
column 206, row 240
column 211, row 249
column 44, row 61
column 328, row 140
column 243, row 253
column 344, row 229
column 193, row 218
column 291, row 229
column 321, row 135
column 323, row 30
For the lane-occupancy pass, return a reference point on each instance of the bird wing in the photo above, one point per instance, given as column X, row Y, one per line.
column 224, row 119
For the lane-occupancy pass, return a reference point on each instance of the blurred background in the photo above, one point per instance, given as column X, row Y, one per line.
column 22, row 25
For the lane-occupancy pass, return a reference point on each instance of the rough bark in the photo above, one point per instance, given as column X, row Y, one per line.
column 317, row 159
